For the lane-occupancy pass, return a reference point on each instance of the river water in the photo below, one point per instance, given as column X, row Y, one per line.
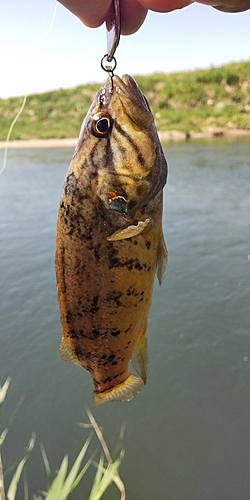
column 188, row 432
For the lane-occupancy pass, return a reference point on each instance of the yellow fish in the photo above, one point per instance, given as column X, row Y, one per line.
column 109, row 240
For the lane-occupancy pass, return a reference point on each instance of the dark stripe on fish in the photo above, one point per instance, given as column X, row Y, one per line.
column 109, row 157
column 92, row 156
column 140, row 158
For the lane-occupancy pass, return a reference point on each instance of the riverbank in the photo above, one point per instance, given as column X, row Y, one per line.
column 169, row 135
column 194, row 104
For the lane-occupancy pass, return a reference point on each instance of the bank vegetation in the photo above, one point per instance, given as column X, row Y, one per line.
column 199, row 101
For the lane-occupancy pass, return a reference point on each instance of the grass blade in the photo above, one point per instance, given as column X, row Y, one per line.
column 46, row 462
column 4, row 389
column 71, row 478
column 11, row 495
column 55, row 489
column 97, row 478
column 112, row 474
column 103, row 481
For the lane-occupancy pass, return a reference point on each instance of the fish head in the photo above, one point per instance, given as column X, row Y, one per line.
column 126, row 161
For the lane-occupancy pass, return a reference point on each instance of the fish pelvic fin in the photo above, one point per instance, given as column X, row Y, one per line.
column 67, row 353
column 123, row 392
column 162, row 260
column 130, row 231
column 140, row 355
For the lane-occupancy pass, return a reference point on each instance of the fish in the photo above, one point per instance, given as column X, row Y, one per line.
column 109, row 242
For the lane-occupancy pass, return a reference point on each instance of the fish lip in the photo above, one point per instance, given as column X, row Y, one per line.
column 129, row 87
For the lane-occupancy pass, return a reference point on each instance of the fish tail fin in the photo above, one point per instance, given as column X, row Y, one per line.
column 123, row 392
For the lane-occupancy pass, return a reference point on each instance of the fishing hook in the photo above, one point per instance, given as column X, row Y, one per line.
column 113, row 30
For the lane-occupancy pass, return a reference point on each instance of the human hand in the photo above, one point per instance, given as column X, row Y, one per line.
column 95, row 12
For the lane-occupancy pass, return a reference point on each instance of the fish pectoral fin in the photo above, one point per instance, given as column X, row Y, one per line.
column 140, row 354
column 130, row 231
column 122, row 392
column 68, row 354
column 162, row 259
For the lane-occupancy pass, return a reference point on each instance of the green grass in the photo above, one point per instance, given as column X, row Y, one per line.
column 184, row 101
column 64, row 483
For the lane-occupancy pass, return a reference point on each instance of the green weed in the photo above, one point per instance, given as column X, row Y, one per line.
column 65, row 482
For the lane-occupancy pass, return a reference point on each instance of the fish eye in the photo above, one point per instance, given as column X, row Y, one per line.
column 101, row 125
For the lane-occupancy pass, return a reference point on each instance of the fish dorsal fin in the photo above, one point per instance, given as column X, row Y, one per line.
column 140, row 354
column 162, row 259
column 130, row 231
column 68, row 354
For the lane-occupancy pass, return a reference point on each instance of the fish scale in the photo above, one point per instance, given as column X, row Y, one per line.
column 109, row 241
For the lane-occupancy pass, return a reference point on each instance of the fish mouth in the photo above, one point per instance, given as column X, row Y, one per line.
column 134, row 101
column 133, row 92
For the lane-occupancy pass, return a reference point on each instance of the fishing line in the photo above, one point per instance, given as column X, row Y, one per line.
column 9, row 134
column 24, row 100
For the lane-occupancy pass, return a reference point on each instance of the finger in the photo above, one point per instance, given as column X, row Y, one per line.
column 132, row 16
column 164, row 5
column 91, row 12
column 228, row 5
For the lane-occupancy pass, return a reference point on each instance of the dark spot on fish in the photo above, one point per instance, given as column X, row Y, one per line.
column 149, row 268
column 114, row 262
column 148, row 244
column 97, row 252
column 126, row 331
column 111, row 357
column 78, row 352
column 138, row 266
column 114, row 363
column 114, row 295
column 94, row 306
column 71, row 184
column 72, row 334
column 95, row 333
column 108, row 379
column 114, row 332
column 112, row 377
column 93, row 174
column 129, row 264
column 69, row 317
column 132, row 291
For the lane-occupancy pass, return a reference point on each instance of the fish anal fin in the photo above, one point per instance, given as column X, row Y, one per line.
column 130, row 231
column 68, row 354
column 123, row 392
column 162, row 259
column 140, row 354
